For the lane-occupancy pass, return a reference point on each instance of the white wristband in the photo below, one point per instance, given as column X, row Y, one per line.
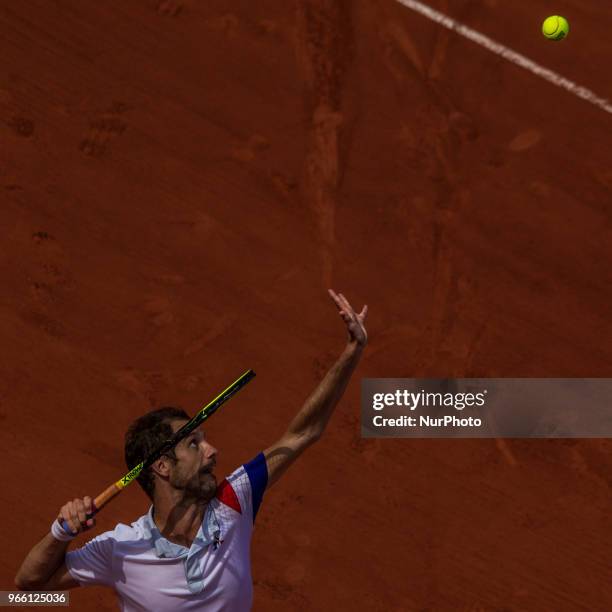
column 57, row 531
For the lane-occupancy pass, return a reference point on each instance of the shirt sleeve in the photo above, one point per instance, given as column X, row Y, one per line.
column 249, row 483
column 93, row 563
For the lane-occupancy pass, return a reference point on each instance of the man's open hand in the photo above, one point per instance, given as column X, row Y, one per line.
column 354, row 322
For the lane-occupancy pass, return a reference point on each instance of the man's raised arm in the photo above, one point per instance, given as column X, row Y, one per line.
column 310, row 422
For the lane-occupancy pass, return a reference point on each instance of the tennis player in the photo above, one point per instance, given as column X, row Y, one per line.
column 191, row 550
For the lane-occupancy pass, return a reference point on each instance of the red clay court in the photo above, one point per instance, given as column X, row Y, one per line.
column 182, row 181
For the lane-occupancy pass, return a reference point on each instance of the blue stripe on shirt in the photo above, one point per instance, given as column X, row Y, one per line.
column 257, row 471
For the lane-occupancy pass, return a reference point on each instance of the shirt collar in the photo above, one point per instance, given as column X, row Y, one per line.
column 209, row 531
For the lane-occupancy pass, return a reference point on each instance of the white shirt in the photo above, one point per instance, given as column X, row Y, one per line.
column 152, row 574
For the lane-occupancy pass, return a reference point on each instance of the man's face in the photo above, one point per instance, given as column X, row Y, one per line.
column 196, row 458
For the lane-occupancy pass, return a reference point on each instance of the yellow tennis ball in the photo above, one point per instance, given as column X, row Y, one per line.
column 555, row 27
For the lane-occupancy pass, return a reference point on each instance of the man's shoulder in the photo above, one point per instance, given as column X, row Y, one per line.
column 243, row 489
column 252, row 469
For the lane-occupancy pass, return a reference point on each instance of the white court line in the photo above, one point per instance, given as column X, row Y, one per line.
column 507, row 53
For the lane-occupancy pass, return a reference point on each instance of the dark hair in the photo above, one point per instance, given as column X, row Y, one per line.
column 146, row 434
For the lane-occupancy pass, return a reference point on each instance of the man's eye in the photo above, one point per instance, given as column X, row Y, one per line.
column 193, row 442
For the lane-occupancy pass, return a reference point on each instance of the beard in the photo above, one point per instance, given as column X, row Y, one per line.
column 207, row 485
column 201, row 486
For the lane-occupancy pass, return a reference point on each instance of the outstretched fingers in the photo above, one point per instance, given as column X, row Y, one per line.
column 334, row 296
column 344, row 306
column 341, row 302
column 354, row 322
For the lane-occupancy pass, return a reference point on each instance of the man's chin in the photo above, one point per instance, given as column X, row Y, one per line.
column 208, row 485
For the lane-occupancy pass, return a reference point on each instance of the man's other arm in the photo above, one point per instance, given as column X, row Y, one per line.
column 44, row 567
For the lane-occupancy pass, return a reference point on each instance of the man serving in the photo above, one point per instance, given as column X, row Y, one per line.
column 191, row 550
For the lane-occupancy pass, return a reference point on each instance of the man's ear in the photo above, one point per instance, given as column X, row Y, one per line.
column 161, row 466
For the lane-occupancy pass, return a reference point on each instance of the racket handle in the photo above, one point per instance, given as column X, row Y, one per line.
column 106, row 496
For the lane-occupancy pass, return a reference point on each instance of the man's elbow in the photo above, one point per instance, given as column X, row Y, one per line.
column 314, row 436
column 303, row 438
column 23, row 585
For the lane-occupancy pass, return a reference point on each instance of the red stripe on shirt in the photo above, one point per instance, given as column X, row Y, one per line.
column 226, row 495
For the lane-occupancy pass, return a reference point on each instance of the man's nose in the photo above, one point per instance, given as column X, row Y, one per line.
column 209, row 449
